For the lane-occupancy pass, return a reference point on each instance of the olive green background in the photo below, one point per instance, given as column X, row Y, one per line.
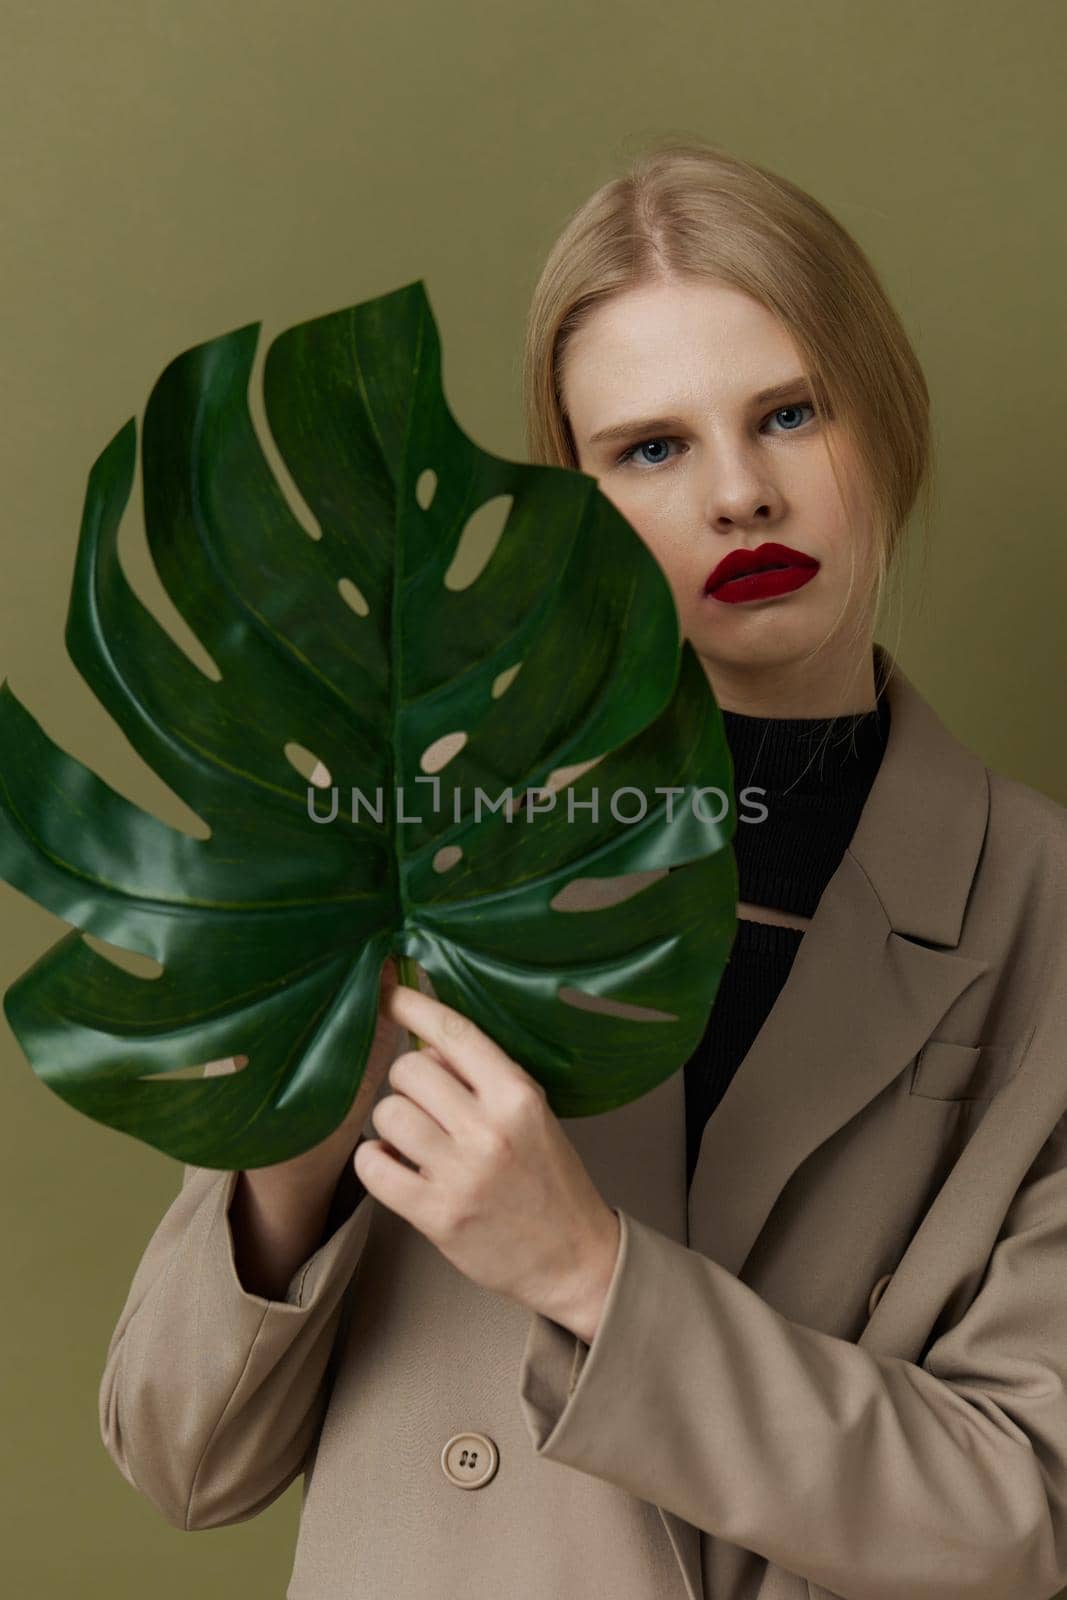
column 174, row 171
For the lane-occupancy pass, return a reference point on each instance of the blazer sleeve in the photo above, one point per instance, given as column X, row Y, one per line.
column 210, row 1395
column 870, row 1475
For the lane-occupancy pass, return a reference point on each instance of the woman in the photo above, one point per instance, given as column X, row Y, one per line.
column 835, row 1361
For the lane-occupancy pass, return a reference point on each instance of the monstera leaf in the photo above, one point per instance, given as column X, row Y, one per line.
column 426, row 702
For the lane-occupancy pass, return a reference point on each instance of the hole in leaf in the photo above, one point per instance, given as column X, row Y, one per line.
column 353, row 597
column 478, row 541
column 557, row 779
column 209, row 1069
column 426, row 488
column 132, row 961
column 504, row 680
column 596, row 894
column 613, row 1008
column 309, row 766
column 442, row 751
column 560, row 777
column 447, row 857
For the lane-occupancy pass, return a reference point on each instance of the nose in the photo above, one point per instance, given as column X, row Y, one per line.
column 738, row 494
column 740, row 516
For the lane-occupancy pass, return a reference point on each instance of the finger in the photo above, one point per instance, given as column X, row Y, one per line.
column 412, row 1131
column 462, row 1043
column 383, row 1174
column 425, row 1077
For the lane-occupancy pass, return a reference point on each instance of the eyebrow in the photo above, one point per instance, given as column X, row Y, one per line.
column 624, row 430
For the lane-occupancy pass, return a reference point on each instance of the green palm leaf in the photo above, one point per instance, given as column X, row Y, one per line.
column 271, row 933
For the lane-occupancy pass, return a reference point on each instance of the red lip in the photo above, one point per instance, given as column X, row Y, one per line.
column 745, row 563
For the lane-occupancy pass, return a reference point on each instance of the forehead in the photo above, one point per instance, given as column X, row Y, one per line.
column 671, row 344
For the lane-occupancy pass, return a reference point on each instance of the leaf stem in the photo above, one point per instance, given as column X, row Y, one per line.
column 408, row 972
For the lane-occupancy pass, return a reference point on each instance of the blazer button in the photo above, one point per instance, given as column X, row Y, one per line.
column 469, row 1460
column 877, row 1292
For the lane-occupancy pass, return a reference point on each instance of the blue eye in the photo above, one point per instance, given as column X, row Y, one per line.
column 800, row 405
column 631, row 455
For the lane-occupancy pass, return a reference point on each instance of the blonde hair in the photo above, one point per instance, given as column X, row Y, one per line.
column 687, row 209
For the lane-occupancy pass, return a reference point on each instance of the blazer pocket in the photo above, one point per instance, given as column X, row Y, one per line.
column 948, row 1071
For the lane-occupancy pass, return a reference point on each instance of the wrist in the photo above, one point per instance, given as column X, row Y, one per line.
column 583, row 1306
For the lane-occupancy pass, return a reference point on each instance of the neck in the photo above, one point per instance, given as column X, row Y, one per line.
column 829, row 685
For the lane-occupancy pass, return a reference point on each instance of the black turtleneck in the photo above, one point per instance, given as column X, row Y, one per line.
column 815, row 774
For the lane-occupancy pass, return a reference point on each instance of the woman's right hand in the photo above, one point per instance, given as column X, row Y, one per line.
column 324, row 1161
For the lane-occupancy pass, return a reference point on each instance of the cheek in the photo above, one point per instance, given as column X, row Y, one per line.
column 820, row 490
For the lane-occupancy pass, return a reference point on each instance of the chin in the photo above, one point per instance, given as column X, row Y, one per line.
column 741, row 649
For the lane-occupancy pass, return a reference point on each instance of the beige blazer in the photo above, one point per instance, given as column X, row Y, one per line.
column 838, row 1367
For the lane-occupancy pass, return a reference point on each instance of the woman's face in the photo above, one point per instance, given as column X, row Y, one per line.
column 701, row 462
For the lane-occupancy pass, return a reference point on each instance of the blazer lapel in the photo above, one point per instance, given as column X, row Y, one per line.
column 867, row 987
column 859, row 1003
